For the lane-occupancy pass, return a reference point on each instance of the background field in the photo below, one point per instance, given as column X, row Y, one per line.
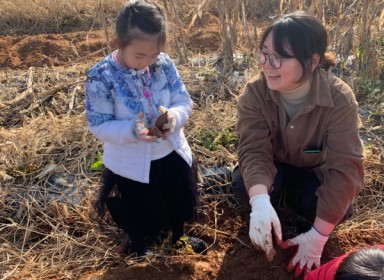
column 49, row 162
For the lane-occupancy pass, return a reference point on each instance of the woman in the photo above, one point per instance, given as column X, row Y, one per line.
column 297, row 126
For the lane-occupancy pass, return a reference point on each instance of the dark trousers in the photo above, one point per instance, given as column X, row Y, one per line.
column 167, row 201
column 293, row 188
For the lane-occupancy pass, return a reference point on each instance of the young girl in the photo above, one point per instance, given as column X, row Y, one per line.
column 149, row 165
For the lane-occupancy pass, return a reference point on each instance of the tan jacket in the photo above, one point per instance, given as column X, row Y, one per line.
column 323, row 136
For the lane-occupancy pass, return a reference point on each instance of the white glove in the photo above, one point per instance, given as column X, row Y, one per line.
column 263, row 216
column 141, row 131
column 310, row 247
column 169, row 127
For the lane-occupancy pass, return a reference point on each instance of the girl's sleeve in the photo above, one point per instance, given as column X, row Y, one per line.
column 100, row 114
column 180, row 103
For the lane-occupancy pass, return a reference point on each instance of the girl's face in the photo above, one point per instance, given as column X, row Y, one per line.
column 141, row 53
column 287, row 77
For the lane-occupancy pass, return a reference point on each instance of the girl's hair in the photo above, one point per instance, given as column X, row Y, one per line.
column 363, row 264
column 138, row 18
column 300, row 35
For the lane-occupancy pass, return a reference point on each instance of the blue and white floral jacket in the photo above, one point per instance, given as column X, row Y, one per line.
column 114, row 97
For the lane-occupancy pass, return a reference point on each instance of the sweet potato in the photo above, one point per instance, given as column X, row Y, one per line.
column 158, row 130
column 162, row 120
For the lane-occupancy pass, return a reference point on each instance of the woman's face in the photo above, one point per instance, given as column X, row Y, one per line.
column 288, row 76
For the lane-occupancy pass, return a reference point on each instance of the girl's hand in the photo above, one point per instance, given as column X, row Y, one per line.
column 141, row 131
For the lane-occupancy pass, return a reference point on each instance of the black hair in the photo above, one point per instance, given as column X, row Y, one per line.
column 140, row 17
column 305, row 35
column 363, row 264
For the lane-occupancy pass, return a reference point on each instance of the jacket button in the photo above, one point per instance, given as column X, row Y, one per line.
column 292, row 127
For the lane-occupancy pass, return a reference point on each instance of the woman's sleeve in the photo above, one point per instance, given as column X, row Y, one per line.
column 255, row 147
column 343, row 169
column 100, row 114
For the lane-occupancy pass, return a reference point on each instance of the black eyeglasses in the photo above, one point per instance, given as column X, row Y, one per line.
column 274, row 59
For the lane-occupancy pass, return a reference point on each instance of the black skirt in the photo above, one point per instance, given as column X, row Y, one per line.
column 168, row 200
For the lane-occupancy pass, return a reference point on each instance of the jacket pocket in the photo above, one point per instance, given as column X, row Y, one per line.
column 312, row 157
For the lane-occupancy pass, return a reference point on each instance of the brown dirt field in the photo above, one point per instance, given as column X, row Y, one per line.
column 22, row 52
column 48, row 49
column 227, row 258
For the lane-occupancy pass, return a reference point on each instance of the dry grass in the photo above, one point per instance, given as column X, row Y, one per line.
column 47, row 235
column 43, row 132
column 55, row 16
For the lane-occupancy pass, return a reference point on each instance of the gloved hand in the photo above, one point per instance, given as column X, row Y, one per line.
column 169, row 127
column 141, row 131
column 310, row 247
column 263, row 216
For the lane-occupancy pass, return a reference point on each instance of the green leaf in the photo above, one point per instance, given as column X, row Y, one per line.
column 97, row 165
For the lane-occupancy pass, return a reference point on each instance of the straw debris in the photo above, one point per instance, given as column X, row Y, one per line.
column 48, row 229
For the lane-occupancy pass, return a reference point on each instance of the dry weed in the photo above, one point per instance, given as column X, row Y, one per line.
column 49, row 233
column 45, row 235
column 55, row 16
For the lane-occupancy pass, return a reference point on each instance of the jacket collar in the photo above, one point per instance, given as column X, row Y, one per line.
column 320, row 87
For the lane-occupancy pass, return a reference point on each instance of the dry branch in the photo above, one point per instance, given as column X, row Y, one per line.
column 198, row 13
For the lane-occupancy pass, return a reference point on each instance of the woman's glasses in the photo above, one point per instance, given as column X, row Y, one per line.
column 274, row 59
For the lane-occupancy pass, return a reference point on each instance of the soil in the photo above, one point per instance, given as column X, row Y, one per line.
column 22, row 52
column 231, row 255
